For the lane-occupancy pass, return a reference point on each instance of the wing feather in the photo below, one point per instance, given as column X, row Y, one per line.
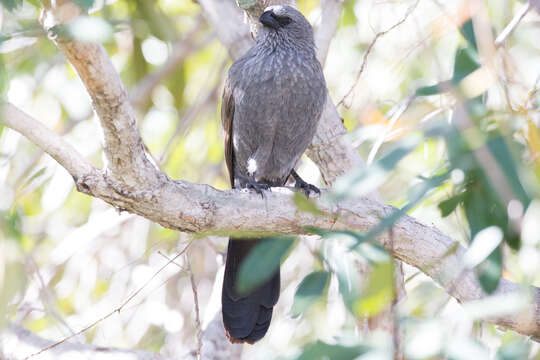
column 227, row 116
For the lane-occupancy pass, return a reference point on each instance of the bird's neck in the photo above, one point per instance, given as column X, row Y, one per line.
column 273, row 42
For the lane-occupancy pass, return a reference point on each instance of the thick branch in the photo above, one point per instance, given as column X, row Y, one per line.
column 46, row 139
column 330, row 13
column 228, row 23
column 200, row 208
column 123, row 147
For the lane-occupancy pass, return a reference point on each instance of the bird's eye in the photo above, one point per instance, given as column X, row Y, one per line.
column 282, row 20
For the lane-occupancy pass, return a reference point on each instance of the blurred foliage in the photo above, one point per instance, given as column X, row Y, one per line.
column 262, row 262
column 309, row 291
column 451, row 126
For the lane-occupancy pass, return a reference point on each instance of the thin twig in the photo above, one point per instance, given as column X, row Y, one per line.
column 47, row 296
column 117, row 310
column 196, row 301
column 512, row 25
column 174, row 262
column 396, row 112
column 370, row 47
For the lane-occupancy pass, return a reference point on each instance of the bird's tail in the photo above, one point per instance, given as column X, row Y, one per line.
column 246, row 316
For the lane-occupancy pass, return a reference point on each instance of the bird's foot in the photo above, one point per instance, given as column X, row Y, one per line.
column 300, row 184
column 250, row 183
column 258, row 187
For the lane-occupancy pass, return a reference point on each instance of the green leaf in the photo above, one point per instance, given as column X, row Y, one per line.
column 498, row 147
column 323, row 351
column 428, row 90
column 262, row 262
column 309, row 291
column 489, row 272
column 305, row 204
column 379, row 291
column 373, row 253
column 467, row 31
column 11, row 223
column 465, row 63
column 449, row 205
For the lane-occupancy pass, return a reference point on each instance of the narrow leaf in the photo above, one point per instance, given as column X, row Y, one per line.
column 464, row 64
column 262, row 262
column 428, row 90
column 498, row 147
column 467, row 30
column 449, row 205
column 489, row 272
column 324, row 351
column 309, row 291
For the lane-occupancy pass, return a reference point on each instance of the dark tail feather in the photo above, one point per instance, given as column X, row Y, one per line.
column 246, row 317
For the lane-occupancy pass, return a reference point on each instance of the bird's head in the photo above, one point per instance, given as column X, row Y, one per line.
column 287, row 21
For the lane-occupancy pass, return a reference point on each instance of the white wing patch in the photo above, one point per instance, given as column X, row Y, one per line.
column 251, row 166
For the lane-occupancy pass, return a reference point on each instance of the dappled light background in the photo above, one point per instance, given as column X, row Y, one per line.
column 67, row 259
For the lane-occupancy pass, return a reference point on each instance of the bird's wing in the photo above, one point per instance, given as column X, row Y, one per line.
column 227, row 116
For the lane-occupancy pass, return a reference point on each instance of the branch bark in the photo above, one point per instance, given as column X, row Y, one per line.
column 200, row 208
column 330, row 14
column 123, row 146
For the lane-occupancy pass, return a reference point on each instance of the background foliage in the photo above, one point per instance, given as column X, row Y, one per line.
column 450, row 142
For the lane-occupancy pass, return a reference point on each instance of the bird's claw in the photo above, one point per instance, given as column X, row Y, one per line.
column 306, row 187
column 258, row 187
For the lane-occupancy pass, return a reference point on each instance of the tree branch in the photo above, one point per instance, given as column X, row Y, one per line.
column 501, row 38
column 228, row 23
column 123, row 146
column 330, row 13
column 47, row 140
column 199, row 208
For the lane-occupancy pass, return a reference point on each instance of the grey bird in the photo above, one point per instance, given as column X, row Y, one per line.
column 273, row 99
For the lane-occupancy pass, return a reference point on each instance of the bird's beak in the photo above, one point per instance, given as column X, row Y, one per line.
column 268, row 19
